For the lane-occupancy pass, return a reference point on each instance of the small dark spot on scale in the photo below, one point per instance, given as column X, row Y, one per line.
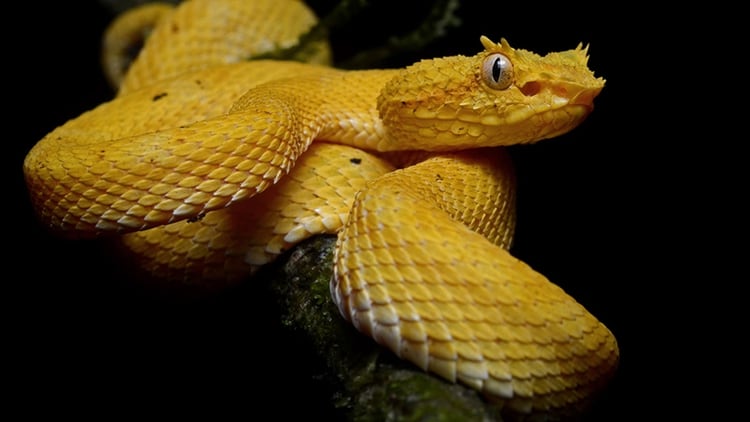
column 438, row 177
column 158, row 97
column 197, row 217
column 355, row 160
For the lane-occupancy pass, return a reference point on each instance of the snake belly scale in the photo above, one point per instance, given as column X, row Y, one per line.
column 208, row 166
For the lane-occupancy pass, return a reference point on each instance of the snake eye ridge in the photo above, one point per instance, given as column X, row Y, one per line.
column 497, row 71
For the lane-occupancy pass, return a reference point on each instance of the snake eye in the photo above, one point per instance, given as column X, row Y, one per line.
column 497, row 71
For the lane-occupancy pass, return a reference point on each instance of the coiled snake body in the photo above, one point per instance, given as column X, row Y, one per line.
column 210, row 166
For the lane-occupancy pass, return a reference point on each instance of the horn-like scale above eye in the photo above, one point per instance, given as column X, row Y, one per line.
column 497, row 71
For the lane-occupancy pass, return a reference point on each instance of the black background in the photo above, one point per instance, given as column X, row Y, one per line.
column 86, row 340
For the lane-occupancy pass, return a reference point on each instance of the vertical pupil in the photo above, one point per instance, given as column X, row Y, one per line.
column 496, row 69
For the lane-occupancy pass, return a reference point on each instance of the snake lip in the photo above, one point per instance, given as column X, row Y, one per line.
column 585, row 97
column 563, row 94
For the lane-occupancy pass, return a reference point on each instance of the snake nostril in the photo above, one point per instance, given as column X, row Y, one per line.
column 531, row 88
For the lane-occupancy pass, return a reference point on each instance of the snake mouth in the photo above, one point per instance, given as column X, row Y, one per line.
column 562, row 93
column 585, row 97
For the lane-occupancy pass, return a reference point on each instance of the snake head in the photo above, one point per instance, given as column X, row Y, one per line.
column 501, row 96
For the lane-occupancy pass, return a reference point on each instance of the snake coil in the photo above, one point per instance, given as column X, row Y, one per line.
column 209, row 166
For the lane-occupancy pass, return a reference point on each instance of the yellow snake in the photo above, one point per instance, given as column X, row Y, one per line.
column 211, row 166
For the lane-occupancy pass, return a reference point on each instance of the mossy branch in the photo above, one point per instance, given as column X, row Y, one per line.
column 368, row 383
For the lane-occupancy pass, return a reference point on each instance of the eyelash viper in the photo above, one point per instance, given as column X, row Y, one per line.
column 210, row 166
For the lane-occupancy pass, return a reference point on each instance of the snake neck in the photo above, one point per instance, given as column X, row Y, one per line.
column 323, row 103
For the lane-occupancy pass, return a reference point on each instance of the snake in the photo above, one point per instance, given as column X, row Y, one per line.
column 207, row 166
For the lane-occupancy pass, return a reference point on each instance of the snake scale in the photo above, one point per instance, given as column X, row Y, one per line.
column 209, row 166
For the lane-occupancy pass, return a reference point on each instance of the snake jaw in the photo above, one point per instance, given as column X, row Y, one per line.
column 585, row 97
